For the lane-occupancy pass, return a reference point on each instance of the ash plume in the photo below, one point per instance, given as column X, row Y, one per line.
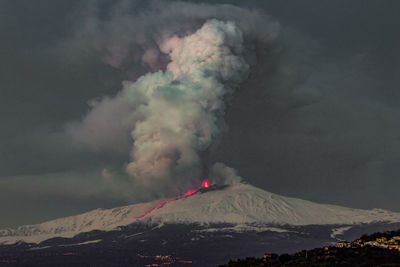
column 182, row 106
column 174, row 114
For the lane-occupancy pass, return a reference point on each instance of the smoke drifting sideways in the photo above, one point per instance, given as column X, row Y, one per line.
column 175, row 114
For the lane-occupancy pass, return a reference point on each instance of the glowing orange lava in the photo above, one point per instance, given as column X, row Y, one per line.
column 189, row 193
column 162, row 204
column 205, row 184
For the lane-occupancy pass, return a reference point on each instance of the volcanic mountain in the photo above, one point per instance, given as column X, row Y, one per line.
column 241, row 206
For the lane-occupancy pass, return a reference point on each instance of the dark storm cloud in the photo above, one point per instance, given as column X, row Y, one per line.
column 40, row 90
column 329, row 109
column 318, row 118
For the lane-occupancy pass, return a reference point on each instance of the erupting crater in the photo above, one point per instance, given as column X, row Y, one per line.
column 204, row 186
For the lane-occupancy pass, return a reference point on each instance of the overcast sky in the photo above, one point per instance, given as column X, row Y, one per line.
column 317, row 118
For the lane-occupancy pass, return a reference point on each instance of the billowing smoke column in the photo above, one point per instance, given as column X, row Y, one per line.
column 182, row 106
column 174, row 115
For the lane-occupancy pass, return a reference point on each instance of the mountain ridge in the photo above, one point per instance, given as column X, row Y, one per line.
column 238, row 204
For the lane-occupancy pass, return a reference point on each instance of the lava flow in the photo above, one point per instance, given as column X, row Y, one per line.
column 204, row 184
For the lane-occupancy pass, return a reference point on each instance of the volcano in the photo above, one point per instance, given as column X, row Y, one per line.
column 210, row 215
column 239, row 204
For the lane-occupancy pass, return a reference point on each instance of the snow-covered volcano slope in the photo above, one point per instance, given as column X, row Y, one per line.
column 236, row 204
column 244, row 203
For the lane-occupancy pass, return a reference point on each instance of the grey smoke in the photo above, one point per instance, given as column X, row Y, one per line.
column 174, row 115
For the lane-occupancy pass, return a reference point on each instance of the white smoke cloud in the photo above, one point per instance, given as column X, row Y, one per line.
column 174, row 115
column 222, row 174
column 185, row 103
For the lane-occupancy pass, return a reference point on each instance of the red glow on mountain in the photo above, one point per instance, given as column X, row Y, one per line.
column 147, row 212
column 188, row 193
column 204, row 184
column 162, row 204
